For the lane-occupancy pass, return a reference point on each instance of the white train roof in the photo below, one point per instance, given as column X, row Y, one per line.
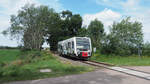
column 70, row 39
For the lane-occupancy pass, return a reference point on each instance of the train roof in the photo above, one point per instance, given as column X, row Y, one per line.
column 70, row 39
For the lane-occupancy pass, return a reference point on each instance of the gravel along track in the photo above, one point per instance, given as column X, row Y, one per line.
column 74, row 61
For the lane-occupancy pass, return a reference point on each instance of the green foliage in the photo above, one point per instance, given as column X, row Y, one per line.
column 63, row 26
column 125, row 38
column 30, row 25
column 33, row 25
column 96, row 32
column 82, row 32
column 146, row 49
column 54, row 31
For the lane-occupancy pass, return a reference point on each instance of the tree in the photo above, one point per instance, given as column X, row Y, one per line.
column 54, row 31
column 146, row 49
column 125, row 38
column 76, row 23
column 30, row 24
column 96, row 32
column 63, row 26
column 82, row 32
column 71, row 24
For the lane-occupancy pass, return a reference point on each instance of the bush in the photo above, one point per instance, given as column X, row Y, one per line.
column 146, row 52
column 146, row 49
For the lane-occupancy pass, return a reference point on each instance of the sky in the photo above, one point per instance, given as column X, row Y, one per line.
column 106, row 11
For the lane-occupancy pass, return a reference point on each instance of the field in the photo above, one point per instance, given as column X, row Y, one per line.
column 8, row 55
column 17, row 65
column 123, row 60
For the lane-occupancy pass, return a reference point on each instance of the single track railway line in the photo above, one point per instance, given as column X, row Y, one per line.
column 137, row 73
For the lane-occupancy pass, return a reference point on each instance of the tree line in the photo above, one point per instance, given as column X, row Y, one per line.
column 35, row 24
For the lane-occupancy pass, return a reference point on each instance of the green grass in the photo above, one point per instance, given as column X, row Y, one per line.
column 123, row 60
column 27, row 67
column 8, row 55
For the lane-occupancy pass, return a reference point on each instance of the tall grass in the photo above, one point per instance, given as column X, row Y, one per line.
column 133, row 60
column 9, row 55
column 27, row 65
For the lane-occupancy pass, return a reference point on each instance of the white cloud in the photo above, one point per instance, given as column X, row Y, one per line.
column 147, row 36
column 107, row 16
column 131, row 5
column 12, row 6
column 108, row 3
column 54, row 4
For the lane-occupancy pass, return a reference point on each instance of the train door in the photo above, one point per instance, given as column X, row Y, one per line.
column 69, row 47
column 64, row 49
column 72, row 47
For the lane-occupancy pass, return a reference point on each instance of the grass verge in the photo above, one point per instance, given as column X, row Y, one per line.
column 7, row 55
column 123, row 60
column 27, row 64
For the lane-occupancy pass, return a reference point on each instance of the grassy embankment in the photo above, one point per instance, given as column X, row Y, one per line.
column 123, row 60
column 17, row 65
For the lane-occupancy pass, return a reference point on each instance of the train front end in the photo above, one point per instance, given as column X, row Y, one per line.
column 83, row 47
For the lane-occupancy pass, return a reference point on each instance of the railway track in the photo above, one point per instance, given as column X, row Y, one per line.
column 98, row 64
column 137, row 73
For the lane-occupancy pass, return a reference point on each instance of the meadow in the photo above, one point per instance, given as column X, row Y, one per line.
column 133, row 60
column 25, row 65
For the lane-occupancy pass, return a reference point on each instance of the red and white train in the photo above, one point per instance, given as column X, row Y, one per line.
column 79, row 47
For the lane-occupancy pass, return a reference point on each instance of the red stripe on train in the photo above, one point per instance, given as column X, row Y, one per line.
column 84, row 54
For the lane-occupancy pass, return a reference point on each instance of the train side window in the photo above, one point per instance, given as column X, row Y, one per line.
column 58, row 46
column 72, row 45
column 61, row 47
column 69, row 45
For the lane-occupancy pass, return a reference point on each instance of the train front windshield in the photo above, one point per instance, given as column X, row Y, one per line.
column 83, row 44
